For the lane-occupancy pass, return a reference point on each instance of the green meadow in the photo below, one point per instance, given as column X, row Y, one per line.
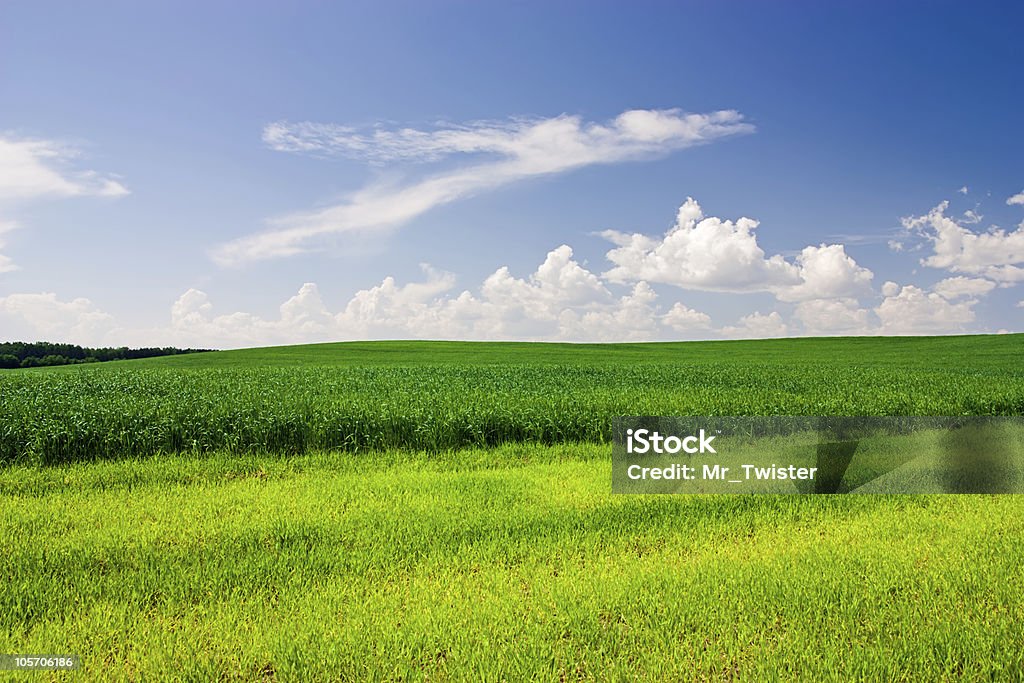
column 443, row 511
column 437, row 396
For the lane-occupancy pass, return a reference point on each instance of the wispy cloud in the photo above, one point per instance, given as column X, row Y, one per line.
column 865, row 238
column 501, row 153
column 33, row 169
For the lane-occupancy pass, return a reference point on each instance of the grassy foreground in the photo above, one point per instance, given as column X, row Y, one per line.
column 513, row 563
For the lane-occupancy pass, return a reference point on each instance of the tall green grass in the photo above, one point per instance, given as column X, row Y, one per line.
column 367, row 397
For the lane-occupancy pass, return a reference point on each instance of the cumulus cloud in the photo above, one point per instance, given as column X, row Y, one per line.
column 826, row 271
column 191, row 308
column 634, row 317
column 303, row 318
column 960, row 286
column 684, row 319
column 699, row 253
column 995, row 254
column 44, row 316
column 829, row 317
column 758, row 326
column 32, row 169
column 417, row 309
column 709, row 253
column 510, row 151
column 1017, row 199
column 559, row 280
column 912, row 310
column 559, row 301
column 563, row 300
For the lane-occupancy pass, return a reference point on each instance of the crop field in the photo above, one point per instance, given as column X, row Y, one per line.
column 443, row 511
column 439, row 396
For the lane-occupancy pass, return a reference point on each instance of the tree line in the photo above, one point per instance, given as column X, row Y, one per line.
column 36, row 354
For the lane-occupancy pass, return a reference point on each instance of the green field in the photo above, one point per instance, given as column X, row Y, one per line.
column 442, row 511
column 438, row 396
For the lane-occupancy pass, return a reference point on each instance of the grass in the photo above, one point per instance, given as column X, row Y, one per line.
column 983, row 352
column 418, row 511
column 513, row 563
column 437, row 395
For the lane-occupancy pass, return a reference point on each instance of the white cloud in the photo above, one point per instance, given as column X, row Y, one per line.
column 833, row 317
column 32, row 317
column 972, row 217
column 560, row 300
column 1017, row 199
column 911, row 310
column 699, row 253
column 632, row 134
column 33, row 169
column 890, row 288
column 303, row 318
column 995, row 253
column 6, row 264
column 709, row 253
column 757, row 326
column 960, row 286
column 1006, row 276
column 684, row 319
column 826, row 271
column 539, row 306
column 558, row 281
column 963, row 190
column 415, row 309
column 634, row 317
column 305, row 313
column 191, row 308
column 563, row 300
column 523, row 149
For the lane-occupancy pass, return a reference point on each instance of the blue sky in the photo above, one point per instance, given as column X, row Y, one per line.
column 215, row 174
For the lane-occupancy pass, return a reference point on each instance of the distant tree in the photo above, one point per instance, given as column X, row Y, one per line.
column 33, row 354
